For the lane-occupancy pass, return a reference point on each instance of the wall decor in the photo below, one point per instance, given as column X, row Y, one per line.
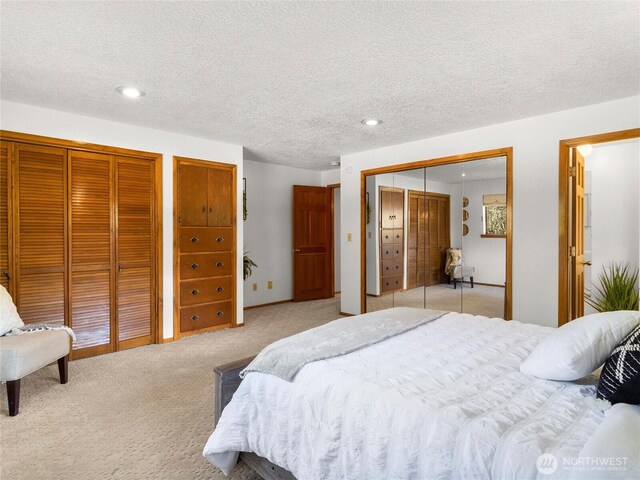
column 244, row 199
column 465, row 215
column 465, row 229
column 465, row 202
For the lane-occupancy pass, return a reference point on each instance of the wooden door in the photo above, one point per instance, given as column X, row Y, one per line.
column 438, row 237
column 4, row 215
column 429, row 238
column 219, row 198
column 91, row 252
column 577, row 228
column 312, row 243
column 194, row 192
column 40, row 235
column 135, row 252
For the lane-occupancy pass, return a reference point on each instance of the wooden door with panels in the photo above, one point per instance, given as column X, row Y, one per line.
column 391, row 239
column 205, row 246
column 312, row 243
column 577, row 233
column 438, row 237
column 78, row 239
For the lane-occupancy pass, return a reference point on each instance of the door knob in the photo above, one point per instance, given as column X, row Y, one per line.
column 588, row 264
column 296, row 250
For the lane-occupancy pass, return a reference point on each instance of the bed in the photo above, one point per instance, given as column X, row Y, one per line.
column 442, row 398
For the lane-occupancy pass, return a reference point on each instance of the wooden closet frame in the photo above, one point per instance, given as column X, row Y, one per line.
column 176, row 248
column 466, row 157
column 156, row 158
column 564, row 213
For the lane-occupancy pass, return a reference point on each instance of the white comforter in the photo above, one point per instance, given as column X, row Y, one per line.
column 445, row 400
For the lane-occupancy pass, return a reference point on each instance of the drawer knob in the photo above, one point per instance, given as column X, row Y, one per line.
column 219, row 264
column 195, row 291
column 195, row 318
column 219, row 239
column 195, row 266
column 219, row 289
column 220, row 314
column 195, row 239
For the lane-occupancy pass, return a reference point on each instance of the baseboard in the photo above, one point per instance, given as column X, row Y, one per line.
column 238, row 325
column 345, row 314
column 488, row 284
column 337, row 293
column 280, row 302
column 167, row 340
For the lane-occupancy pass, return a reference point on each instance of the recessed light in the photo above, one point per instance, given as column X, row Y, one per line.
column 335, row 164
column 464, row 174
column 130, row 92
column 371, row 122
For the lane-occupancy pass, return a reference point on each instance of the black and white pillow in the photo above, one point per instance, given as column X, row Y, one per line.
column 620, row 377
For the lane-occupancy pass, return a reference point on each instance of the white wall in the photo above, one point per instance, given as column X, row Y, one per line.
column 615, row 206
column 51, row 123
column 487, row 255
column 268, row 234
column 535, row 194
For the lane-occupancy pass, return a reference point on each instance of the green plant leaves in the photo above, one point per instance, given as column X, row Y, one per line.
column 617, row 289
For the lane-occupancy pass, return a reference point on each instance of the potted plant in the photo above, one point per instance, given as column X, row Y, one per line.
column 617, row 290
column 248, row 266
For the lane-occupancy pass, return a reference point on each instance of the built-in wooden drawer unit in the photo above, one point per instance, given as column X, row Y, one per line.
column 202, row 265
column 392, row 267
column 205, row 316
column 392, row 282
column 391, row 251
column 206, row 239
column 391, row 236
column 205, row 290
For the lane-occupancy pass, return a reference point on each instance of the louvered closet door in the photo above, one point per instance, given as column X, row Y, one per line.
column 39, row 178
column 90, row 226
column 135, row 252
column 4, row 215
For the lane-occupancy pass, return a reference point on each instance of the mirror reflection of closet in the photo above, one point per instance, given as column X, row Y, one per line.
column 435, row 238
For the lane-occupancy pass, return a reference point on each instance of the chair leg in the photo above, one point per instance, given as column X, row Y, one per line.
column 63, row 368
column 455, row 284
column 448, row 280
column 471, row 281
column 13, row 394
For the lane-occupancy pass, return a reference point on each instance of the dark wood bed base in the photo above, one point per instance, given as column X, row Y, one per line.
column 227, row 382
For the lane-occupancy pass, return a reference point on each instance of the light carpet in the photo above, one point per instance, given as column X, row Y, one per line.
column 479, row 300
column 144, row 413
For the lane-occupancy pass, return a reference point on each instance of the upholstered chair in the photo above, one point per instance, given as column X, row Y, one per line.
column 27, row 352
column 455, row 269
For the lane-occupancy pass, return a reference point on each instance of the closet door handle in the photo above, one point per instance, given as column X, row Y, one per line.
column 220, row 314
column 195, row 266
column 6, row 275
column 210, row 209
column 204, row 208
column 195, row 239
column 219, row 239
column 195, row 318
column 219, row 264
column 195, row 291
column 219, row 289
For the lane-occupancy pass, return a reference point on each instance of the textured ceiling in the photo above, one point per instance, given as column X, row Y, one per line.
column 291, row 81
column 485, row 169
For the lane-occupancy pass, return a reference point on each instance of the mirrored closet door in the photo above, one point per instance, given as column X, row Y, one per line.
column 435, row 238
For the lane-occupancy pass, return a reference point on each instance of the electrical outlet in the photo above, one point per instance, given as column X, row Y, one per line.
column 370, row 233
column 270, row 284
column 255, row 287
column 348, row 237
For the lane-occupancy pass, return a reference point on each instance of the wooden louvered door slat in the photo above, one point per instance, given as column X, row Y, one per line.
column 91, row 251
column 4, row 215
column 135, row 252
column 39, row 215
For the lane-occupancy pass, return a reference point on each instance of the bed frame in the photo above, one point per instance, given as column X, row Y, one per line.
column 227, row 382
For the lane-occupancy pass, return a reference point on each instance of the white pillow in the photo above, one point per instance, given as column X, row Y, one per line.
column 579, row 347
column 9, row 318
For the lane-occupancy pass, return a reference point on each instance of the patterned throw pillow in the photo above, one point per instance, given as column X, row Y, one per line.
column 620, row 377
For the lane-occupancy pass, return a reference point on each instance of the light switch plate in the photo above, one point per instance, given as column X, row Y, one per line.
column 348, row 237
